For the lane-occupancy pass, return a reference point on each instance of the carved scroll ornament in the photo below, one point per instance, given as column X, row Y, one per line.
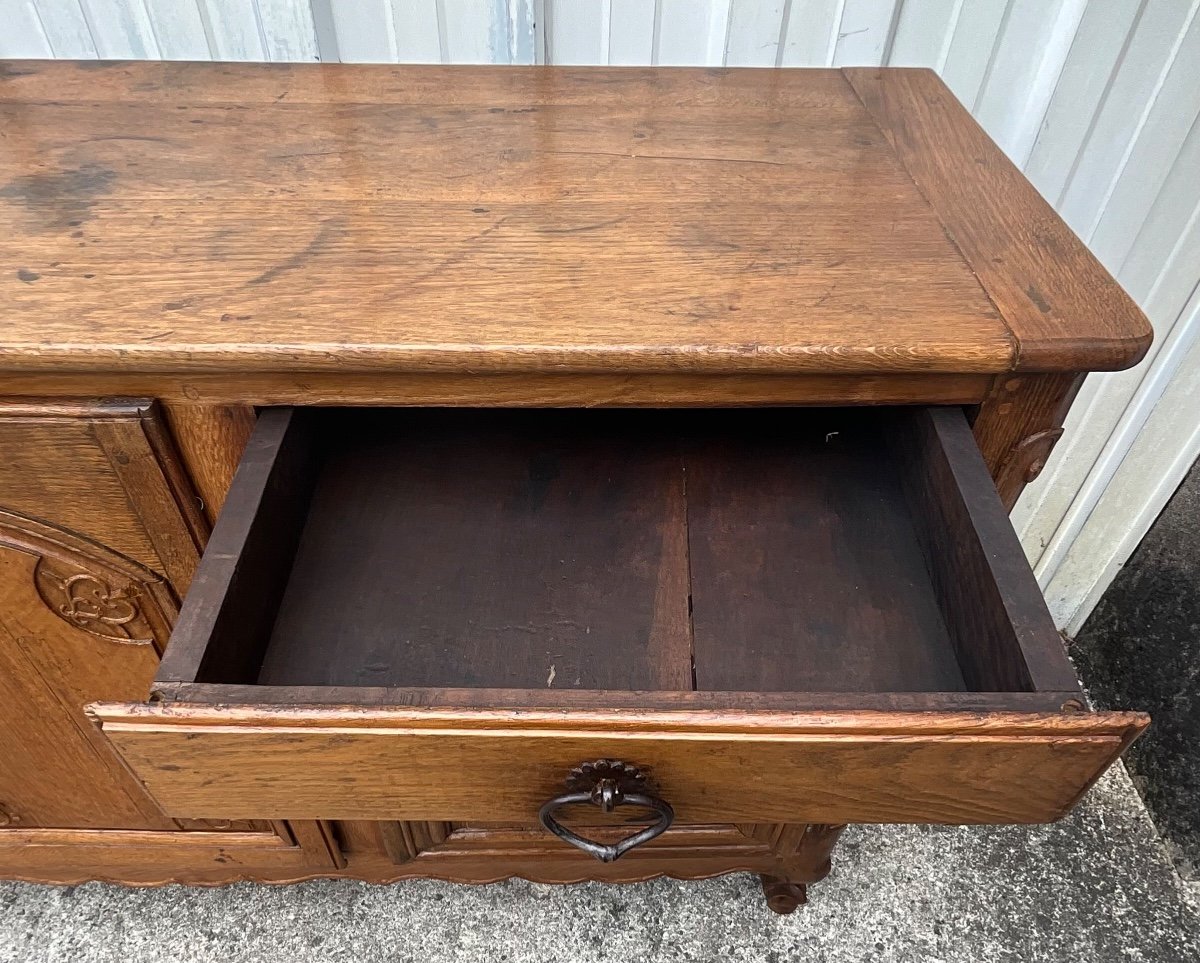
column 90, row 603
column 92, row 587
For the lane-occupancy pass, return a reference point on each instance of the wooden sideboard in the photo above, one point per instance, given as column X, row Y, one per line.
column 317, row 559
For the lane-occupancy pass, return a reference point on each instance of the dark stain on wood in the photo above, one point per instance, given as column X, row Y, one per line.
column 60, row 199
column 1038, row 299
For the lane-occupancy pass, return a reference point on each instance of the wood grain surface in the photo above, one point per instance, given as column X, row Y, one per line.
column 212, row 693
column 990, row 600
column 1060, row 303
column 57, row 467
column 211, row 439
column 498, row 765
column 55, row 770
column 474, row 390
column 490, row 548
column 162, row 217
column 140, row 856
column 478, row 853
column 225, row 621
column 807, row 571
column 107, row 469
column 1018, row 425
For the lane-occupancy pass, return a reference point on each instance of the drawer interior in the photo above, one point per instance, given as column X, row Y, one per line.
column 791, row 615
column 553, row 554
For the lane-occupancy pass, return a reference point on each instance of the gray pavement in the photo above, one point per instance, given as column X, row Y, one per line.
column 1097, row 886
column 1141, row 648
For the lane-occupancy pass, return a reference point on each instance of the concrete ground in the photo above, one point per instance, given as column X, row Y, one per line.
column 1141, row 648
column 1097, row 886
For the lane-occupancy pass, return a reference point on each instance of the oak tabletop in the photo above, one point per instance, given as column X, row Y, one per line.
column 219, row 217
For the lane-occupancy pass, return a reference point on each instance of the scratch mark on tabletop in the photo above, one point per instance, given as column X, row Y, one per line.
column 460, row 255
column 674, row 157
column 132, row 137
column 307, row 153
column 598, row 225
column 298, row 260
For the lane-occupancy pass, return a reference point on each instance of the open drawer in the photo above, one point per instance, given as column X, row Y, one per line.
column 793, row 615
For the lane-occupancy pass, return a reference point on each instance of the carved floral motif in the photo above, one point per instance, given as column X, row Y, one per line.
column 89, row 603
column 91, row 587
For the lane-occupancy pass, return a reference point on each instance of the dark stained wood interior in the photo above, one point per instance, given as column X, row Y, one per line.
column 490, row 549
column 806, row 568
column 781, row 550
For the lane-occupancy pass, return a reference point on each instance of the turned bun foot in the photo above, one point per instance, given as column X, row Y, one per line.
column 783, row 897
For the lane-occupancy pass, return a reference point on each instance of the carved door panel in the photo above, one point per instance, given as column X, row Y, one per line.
column 96, row 517
column 107, row 471
column 76, row 623
column 100, row 532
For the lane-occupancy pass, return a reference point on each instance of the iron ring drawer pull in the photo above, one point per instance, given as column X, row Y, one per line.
column 607, row 783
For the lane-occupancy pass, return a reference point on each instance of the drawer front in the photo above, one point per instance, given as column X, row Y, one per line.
column 500, row 765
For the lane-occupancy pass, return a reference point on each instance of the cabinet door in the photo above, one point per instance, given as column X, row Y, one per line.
column 76, row 621
column 100, row 532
